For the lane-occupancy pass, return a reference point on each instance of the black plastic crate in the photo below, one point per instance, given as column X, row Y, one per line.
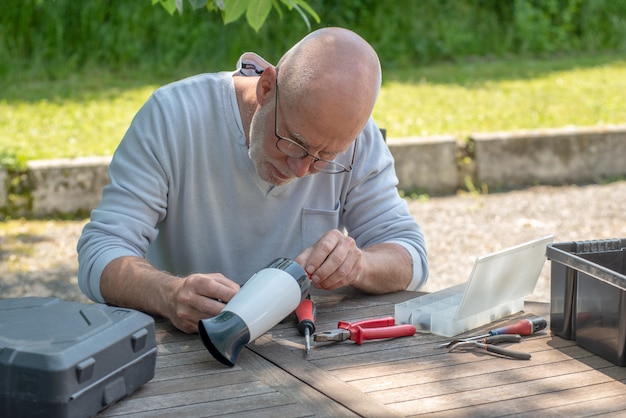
column 588, row 295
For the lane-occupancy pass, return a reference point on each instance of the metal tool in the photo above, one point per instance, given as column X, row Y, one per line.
column 488, row 345
column 306, row 321
column 524, row 327
column 368, row 329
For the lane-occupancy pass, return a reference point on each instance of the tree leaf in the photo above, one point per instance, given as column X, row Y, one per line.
column 276, row 6
column 168, row 5
column 257, row 13
column 234, row 9
column 198, row 4
column 299, row 5
column 179, row 6
column 304, row 5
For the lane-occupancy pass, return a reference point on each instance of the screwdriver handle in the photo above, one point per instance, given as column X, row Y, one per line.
column 504, row 351
column 305, row 312
column 523, row 327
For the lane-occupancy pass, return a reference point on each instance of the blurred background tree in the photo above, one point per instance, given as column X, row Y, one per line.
column 54, row 38
column 255, row 11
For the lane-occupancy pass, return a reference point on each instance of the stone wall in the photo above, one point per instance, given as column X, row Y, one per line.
column 433, row 165
column 66, row 186
column 507, row 160
column 558, row 156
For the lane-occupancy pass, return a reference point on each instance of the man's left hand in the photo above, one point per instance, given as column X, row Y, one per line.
column 334, row 261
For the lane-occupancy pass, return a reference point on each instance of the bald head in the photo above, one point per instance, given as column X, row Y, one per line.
column 332, row 70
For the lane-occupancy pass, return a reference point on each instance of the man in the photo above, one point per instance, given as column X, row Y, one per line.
column 219, row 174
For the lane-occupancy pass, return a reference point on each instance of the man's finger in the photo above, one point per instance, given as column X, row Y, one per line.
column 320, row 251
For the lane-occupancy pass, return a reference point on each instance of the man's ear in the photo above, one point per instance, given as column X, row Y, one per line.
column 266, row 85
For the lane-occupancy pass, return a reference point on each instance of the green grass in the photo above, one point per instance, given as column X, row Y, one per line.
column 88, row 113
column 84, row 115
column 503, row 96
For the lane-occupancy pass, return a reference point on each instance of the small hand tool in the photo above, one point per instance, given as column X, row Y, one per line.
column 488, row 344
column 305, row 312
column 367, row 329
column 526, row 326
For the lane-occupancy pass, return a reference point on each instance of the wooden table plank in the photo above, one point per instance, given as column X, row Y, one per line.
column 403, row 377
column 465, row 381
column 282, row 380
column 468, row 371
column 235, row 394
column 270, row 405
column 578, row 402
column 324, row 382
column 613, row 403
column 190, row 382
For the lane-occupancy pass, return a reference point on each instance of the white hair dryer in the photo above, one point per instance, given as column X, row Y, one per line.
column 263, row 301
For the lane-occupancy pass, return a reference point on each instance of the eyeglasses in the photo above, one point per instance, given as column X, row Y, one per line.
column 292, row 149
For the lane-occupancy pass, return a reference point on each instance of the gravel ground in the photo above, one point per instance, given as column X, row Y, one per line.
column 460, row 228
column 38, row 258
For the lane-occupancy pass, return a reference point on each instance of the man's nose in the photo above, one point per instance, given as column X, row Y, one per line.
column 301, row 166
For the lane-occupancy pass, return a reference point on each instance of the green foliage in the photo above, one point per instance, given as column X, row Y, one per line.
column 407, row 32
column 256, row 11
column 547, row 25
column 53, row 38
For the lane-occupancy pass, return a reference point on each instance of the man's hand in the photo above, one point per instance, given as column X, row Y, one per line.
column 132, row 282
column 197, row 297
column 333, row 261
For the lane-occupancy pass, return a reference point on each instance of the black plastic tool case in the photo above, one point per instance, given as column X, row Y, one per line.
column 68, row 359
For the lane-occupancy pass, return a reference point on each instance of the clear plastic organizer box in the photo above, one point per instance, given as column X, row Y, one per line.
column 496, row 288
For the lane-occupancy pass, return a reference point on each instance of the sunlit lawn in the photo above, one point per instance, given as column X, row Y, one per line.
column 67, row 118
column 88, row 113
column 576, row 96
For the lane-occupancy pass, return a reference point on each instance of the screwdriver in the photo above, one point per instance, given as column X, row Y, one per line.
column 523, row 327
column 306, row 321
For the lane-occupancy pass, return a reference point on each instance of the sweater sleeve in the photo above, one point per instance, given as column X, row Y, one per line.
column 374, row 212
column 124, row 223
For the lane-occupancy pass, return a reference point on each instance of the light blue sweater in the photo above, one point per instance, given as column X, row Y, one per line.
column 185, row 194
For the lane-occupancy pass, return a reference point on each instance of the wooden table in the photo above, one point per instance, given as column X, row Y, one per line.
column 401, row 377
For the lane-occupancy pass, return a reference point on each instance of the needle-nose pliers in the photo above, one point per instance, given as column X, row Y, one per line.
column 488, row 344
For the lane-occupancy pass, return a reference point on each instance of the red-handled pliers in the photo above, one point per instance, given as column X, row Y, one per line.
column 367, row 329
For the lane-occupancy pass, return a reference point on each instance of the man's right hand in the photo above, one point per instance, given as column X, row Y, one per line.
column 197, row 297
column 132, row 282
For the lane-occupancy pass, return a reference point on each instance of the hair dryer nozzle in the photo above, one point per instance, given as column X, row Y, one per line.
column 224, row 336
